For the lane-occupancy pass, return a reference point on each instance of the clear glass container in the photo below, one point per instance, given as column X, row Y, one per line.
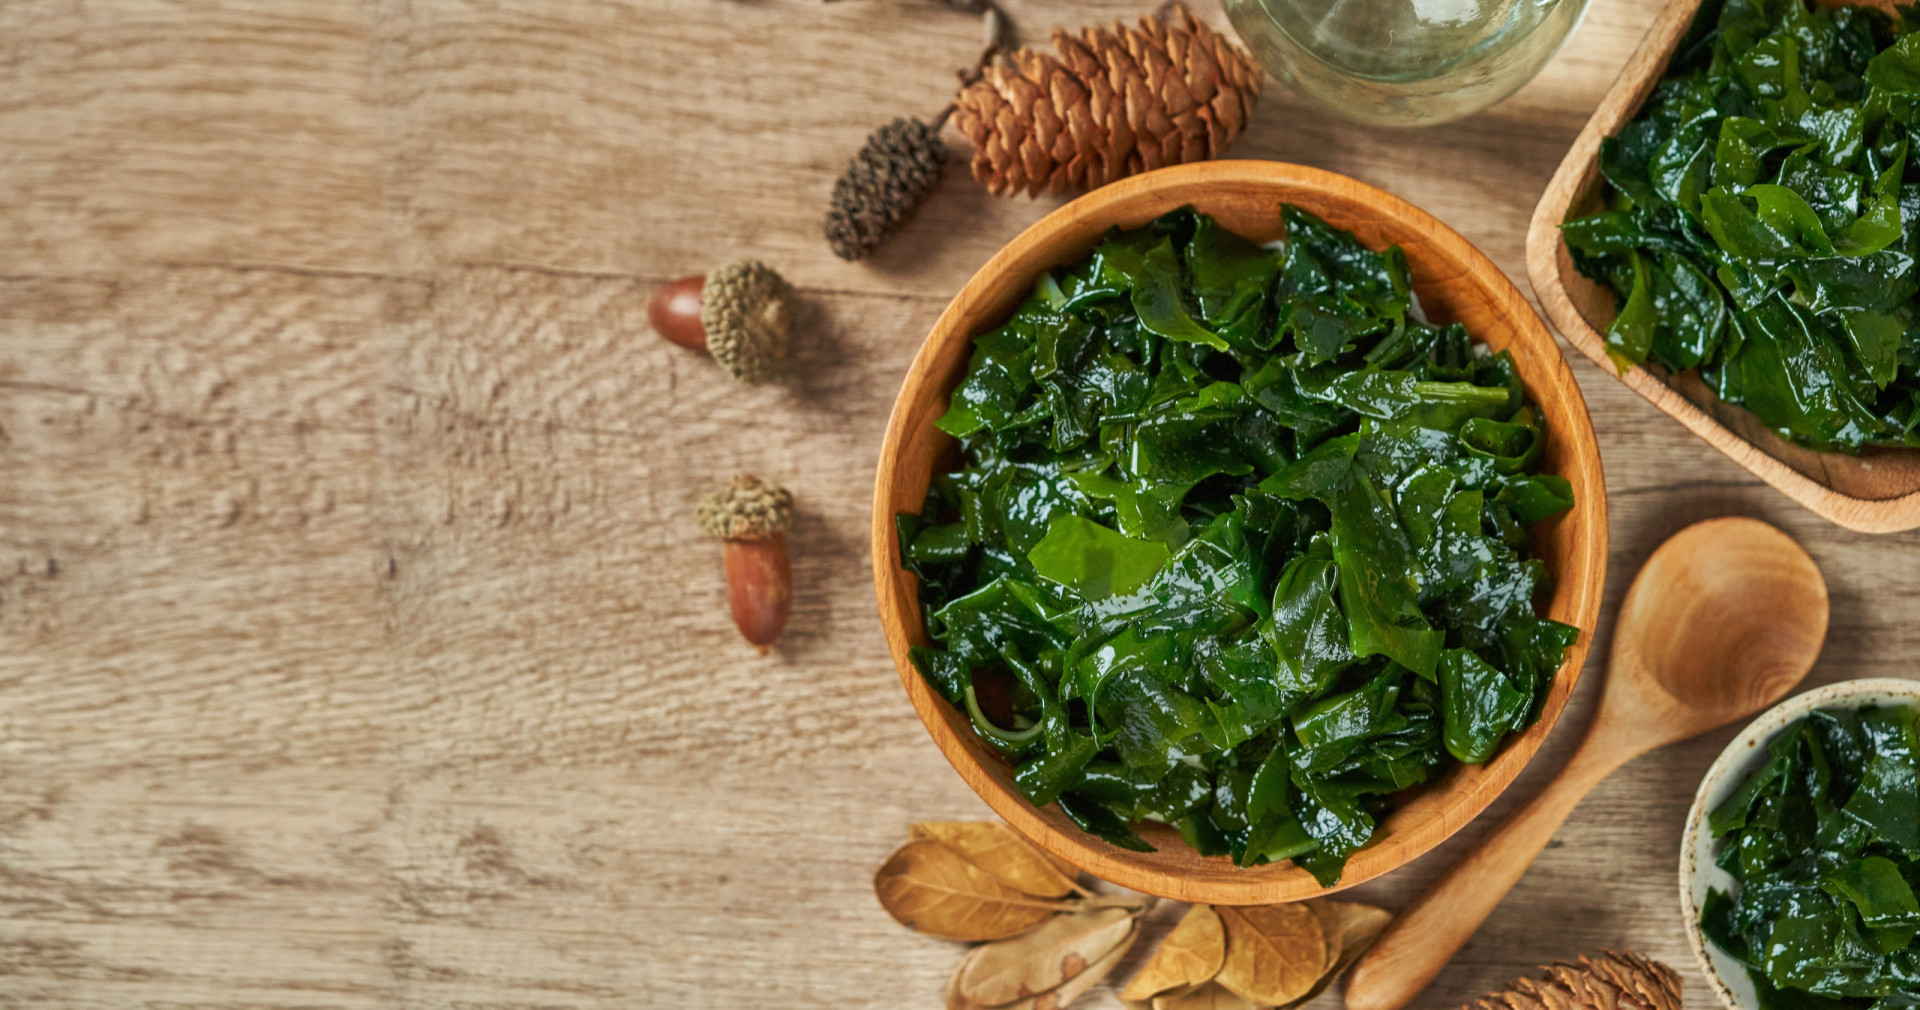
column 1405, row 62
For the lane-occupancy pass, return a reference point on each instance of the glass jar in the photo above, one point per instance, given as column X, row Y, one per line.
column 1404, row 62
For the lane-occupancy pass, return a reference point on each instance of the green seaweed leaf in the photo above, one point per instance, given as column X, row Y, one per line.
column 1094, row 561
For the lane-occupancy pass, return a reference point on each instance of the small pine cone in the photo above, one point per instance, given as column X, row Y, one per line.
column 1614, row 981
column 744, row 309
column 1115, row 101
column 887, row 180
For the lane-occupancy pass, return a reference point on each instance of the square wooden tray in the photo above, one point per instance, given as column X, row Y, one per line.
column 1875, row 492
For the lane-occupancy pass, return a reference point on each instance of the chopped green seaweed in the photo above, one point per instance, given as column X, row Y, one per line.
column 1822, row 840
column 1248, row 535
column 1762, row 220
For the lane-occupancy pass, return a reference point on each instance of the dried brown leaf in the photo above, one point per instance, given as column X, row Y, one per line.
column 995, row 848
column 1205, row 996
column 1189, row 956
column 1042, row 959
column 955, row 1001
column 1077, row 986
column 1351, row 928
column 1132, row 900
column 1067, row 870
column 1275, row 953
column 1330, row 927
column 928, row 887
column 1053, row 999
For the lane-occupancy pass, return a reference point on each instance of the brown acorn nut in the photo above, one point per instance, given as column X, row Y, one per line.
column 740, row 313
column 751, row 516
column 674, row 312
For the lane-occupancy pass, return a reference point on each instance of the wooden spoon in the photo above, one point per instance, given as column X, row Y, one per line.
column 1725, row 618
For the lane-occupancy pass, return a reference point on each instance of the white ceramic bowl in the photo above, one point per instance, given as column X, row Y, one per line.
column 1745, row 755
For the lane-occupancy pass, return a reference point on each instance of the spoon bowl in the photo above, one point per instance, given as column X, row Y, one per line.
column 1722, row 621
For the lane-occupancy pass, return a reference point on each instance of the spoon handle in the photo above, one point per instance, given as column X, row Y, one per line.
column 1423, row 938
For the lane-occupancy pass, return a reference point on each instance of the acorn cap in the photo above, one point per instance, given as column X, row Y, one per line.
column 745, row 313
column 745, row 508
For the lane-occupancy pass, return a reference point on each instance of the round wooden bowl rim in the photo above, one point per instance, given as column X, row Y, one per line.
column 1464, row 791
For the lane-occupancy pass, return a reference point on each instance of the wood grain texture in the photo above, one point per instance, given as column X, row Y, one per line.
column 1455, row 284
column 1877, row 491
column 357, row 648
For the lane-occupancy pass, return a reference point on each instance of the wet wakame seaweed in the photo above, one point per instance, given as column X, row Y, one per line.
column 1762, row 217
column 1824, row 841
column 1238, row 542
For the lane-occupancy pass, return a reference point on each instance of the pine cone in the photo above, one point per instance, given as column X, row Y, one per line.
column 1614, row 981
column 888, row 178
column 1114, row 102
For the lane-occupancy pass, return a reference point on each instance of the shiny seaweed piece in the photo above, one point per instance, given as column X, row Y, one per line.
column 1239, row 542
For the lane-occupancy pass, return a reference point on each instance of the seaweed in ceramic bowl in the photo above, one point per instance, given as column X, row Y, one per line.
column 1803, row 854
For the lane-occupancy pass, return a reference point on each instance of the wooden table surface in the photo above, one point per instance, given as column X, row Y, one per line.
column 356, row 646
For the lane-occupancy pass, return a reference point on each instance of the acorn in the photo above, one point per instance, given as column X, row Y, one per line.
column 740, row 312
column 751, row 516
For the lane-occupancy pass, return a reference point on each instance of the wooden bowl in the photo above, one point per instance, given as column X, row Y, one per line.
column 1455, row 282
column 1877, row 491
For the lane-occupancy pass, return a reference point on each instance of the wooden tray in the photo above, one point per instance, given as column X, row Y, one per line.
column 1875, row 492
column 1455, row 282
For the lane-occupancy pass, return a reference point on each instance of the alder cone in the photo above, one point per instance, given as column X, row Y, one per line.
column 1612, row 981
column 1112, row 102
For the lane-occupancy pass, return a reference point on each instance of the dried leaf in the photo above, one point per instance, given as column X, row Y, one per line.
column 1132, row 900
column 1077, row 986
column 1335, row 945
column 1351, row 928
column 1358, row 926
column 1053, row 999
column 1042, row 959
column 1067, row 870
column 1275, row 953
column 1189, row 956
column 995, row 848
column 928, row 887
column 1205, row 996
column 955, row 1001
